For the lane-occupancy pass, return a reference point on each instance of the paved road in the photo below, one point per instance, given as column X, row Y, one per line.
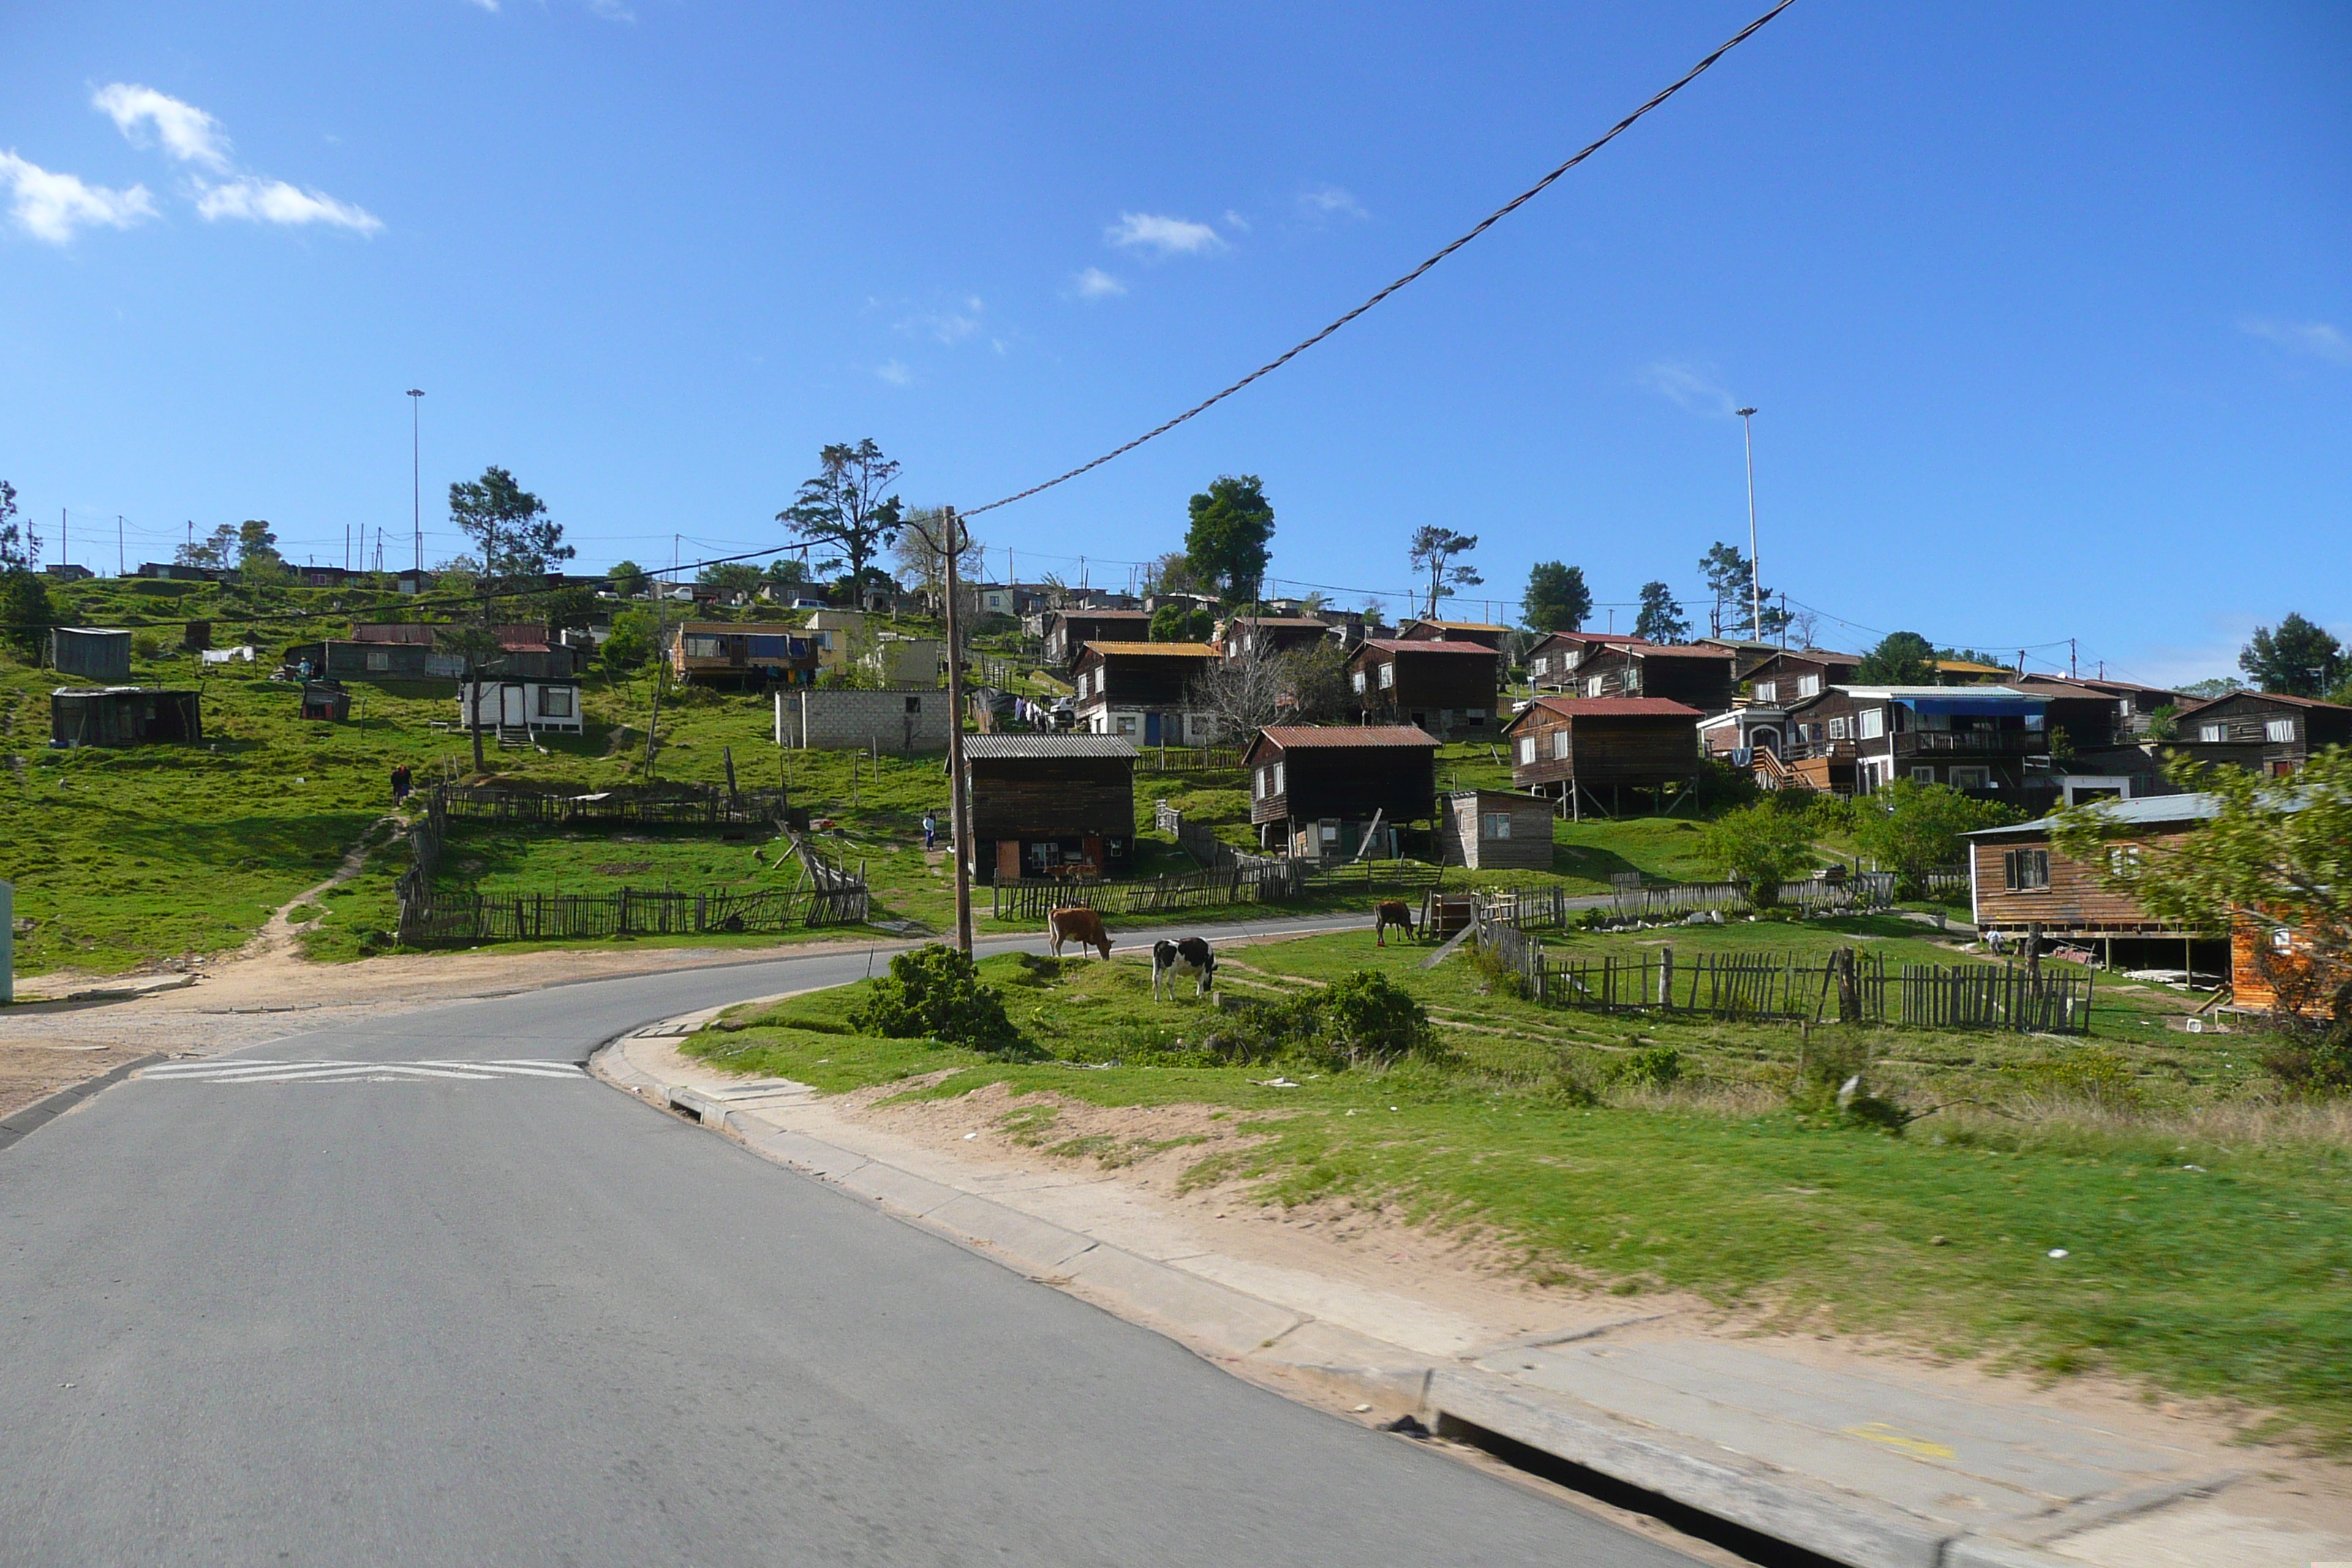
column 475, row 1309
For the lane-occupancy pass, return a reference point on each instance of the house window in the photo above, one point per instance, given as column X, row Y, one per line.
column 1923, row 775
column 2212, row 734
column 705, row 648
column 1277, row 778
column 2026, row 870
column 2278, row 731
column 1356, row 680
column 1768, row 691
column 1127, row 724
column 1971, row 778
column 1527, row 750
column 1838, row 729
column 2122, row 862
column 914, row 705
column 1594, row 685
column 378, row 660
column 1542, row 663
column 1559, row 739
column 1388, row 676
column 555, row 702
column 1870, row 724
column 1809, row 686
column 1495, row 825
column 2282, row 940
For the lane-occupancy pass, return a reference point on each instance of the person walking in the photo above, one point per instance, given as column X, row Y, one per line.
column 400, row 783
column 931, row 830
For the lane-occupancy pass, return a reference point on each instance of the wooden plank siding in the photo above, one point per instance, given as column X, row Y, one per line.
column 1058, row 797
column 2074, row 903
column 1642, row 748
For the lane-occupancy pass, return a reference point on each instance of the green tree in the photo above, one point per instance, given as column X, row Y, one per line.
column 2299, row 659
column 25, row 614
column 1760, row 846
column 935, row 992
column 730, row 577
column 215, row 551
column 634, row 634
column 1314, row 680
column 256, row 543
column 1901, row 658
column 1176, row 623
column 1661, row 619
column 843, row 510
column 519, row 544
column 1730, row 577
column 2219, row 686
column 20, row 547
column 1229, row 540
column 1433, row 550
column 628, row 579
column 1912, row 829
column 1557, row 599
column 788, row 572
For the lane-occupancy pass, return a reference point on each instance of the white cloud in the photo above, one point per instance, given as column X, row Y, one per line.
column 1694, row 387
column 894, row 372
column 52, row 206
column 611, row 10
column 186, row 132
column 1167, row 236
column 949, row 325
column 1235, row 222
column 1094, row 283
column 1330, row 201
column 487, row 4
column 275, row 200
column 2318, row 339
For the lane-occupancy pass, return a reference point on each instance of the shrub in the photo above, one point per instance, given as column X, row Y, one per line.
column 936, row 992
column 1760, row 846
column 1367, row 1015
column 1833, row 1087
column 2091, row 1073
column 1914, row 829
column 1652, row 1067
column 146, row 645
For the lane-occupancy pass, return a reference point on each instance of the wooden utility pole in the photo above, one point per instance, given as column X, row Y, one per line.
column 959, row 824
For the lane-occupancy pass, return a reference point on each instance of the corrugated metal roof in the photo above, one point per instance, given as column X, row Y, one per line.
column 1103, row 614
column 1292, row 737
column 2147, row 811
column 1189, row 649
column 2271, row 696
column 1433, row 644
column 1673, row 651
column 999, row 747
column 1459, row 626
column 1617, row 706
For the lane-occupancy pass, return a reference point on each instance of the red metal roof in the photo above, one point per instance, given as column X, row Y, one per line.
column 1670, row 650
column 1434, row 644
column 1616, row 708
column 1289, row 737
column 2269, row 697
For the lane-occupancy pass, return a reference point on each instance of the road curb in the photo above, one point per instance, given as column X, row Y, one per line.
column 41, row 1112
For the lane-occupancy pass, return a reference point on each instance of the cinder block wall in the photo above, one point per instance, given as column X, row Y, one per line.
column 848, row 720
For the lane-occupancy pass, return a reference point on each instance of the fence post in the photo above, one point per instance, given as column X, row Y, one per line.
column 1666, row 975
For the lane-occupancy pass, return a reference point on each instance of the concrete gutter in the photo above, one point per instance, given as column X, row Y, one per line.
column 41, row 1112
column 1819, row 1459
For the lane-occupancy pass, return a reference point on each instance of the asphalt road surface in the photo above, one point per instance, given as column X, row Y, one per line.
column 437, row 1297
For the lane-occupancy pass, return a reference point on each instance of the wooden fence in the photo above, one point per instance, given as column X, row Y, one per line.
column 1857, row 894
column 1996, row 996
column 676, row 806
column 1033, row 900
column 1187, row 759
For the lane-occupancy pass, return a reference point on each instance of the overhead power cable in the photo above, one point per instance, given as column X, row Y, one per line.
column 1489, row 221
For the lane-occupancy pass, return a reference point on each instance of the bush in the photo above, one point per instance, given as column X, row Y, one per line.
column 1653, row 1067
column 1833, row 1087
column 2091, row 1073
column 1760, row 846
column 1367, row 1015
column 632, row 639
column 936, row 992
column 1914, row 829
column 146, row 645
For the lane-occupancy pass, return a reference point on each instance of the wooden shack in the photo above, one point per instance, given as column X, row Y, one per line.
column 1582, row 751
column 1480, row 632
column 2018, row 880
column 1316, row 790
column 1440, row 687
column 1263, row 636
column 326, row 700
column 2274, row 967
column 1044, row 803
column 94, row 653
column 742, row 654
column 2266, row 731
column 1143, row 691
column 1068, row 632
column 1553, row 661
column 1680, row 672
column 1794, row 675
column 1495, row 830
column 124, row 716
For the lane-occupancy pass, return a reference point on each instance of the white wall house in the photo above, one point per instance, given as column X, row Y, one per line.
column 539, row 705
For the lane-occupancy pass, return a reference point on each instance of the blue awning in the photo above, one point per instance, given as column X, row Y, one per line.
column 1975, row 706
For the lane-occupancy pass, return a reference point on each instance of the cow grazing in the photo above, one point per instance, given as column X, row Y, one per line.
column 1391, row 912
column 1076, row 923
column 1174, row 960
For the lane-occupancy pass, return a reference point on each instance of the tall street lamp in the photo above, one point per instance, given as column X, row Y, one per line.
column 1755, row 569
column 416, row 482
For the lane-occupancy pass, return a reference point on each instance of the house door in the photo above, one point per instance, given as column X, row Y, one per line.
column 1094, row 851
column 510, row 705
column 1008, row 859
column 1151, row 729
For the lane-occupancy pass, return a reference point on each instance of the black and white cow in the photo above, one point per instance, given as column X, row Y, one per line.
column 1189, row 955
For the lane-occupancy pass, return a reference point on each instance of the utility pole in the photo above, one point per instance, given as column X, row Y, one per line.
column 416, row 479
column 1755, row 567
column 2070, row 670
column 959, row 823
column 119, row 559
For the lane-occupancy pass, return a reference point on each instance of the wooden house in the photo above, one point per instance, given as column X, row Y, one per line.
column 1554, row 657
column 1041, row 803
column 326, row 700
column 2273, row 966
column 1574, row 750
column 1263, row 636
column 1495, row 830
column 1987, row 740
column 1746, row 653
column 1068, row 632
column 1968, row 672
column 2265, row 731
column 1441, row 687
column 1680, row 672
column 94, row 653
column 2130, row 707
column 124, row 716
column 2018, row 882
column 1795, row 675
column 1316, row 790
column 742, row 654
column 1478, row 632
column 1142, row 691
column 521, row 706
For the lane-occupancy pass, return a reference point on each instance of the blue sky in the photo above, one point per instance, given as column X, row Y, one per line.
column 2047, row 310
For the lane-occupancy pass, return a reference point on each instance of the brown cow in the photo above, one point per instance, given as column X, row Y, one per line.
column 1391, row 912
column 1076, row 923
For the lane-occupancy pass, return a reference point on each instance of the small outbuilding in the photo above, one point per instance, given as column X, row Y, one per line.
column 94, row 653
column 1041, row 803
column 1318, row 790
column 124, row 716
column 1496, row 830
column 327, row 700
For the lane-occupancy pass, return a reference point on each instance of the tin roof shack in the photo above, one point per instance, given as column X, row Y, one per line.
column 2018, row 882
column 1068, row 632
column 326, row 700
column 1681, row 672
column 1495, row 830
column 94, row 653
column 124, row 716
column 1798, row 674
column 1554, row 657
column 1986, row 741
column 411, row 650
column 1440, row 687
column 1263, row 636
column 740, row 655
column 1039, row 802
column 1478, row 632
column 1315, row 790
column 1142, row 691
column 1569, row 749
column 518, row 708
column 2265, row 731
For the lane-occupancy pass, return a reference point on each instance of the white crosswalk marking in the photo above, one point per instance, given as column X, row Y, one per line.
column 359, row 1072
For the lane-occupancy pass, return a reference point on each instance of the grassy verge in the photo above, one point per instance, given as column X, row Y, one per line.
column 2204, row 1231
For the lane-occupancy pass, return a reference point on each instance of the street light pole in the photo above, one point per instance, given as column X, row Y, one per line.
column 1755, row 569
column 416, row 480
column 959, row 819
